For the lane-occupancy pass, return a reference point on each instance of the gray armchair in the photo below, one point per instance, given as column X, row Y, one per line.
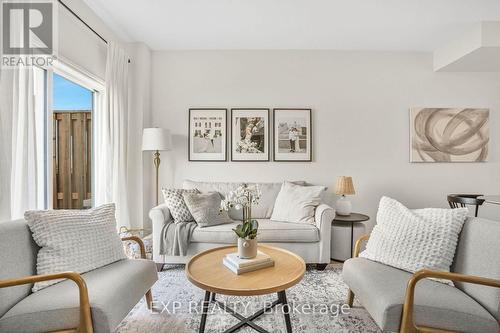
column 405, row 302
column 96, row 301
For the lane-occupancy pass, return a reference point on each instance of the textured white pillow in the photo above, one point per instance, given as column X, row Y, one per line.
column 74, row 240
column 296, row 203
column 414, row 239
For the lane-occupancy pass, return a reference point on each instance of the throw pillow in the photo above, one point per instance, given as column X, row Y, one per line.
column 414, row 239
column 176, row 205
column 296, row 203
column 205, row 209
column 74, row 240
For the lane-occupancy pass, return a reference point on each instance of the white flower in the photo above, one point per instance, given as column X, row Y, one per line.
column 243, row 196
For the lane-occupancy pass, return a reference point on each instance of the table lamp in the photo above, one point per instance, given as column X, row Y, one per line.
column 156, row 139
column 344, row 187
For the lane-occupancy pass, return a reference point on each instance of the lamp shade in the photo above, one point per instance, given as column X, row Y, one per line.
column 344, row 186
column 156, row 139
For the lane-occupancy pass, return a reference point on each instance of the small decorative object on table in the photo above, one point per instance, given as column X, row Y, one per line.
column 237, row 265
column 247, row 243
column 243, row 198
column 344, row 187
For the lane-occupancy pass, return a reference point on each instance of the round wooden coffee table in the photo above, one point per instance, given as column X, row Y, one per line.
column 206, row 271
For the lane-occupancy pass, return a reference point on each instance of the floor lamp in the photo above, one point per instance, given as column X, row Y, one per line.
column 156, row 139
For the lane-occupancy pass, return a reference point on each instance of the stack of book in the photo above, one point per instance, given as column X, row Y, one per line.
column 239, row 266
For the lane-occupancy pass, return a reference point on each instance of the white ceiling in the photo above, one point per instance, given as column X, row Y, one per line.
column 413, row 25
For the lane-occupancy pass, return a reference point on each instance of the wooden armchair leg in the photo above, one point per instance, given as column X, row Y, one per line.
column 357, row 249
column 149, row 299
column 350, row 298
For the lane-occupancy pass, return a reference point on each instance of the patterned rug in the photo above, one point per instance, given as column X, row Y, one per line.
column 316, row 307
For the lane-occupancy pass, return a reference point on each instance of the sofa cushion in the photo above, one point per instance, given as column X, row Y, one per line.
column 381, row 290
column 297, row 203
column 113, row 291
column 263, row 210
column 74, row 240
column 175, row 201
column 414, row 239
column 269, row 231
column 206, row 209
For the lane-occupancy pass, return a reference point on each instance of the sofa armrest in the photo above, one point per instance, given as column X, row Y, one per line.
column 407, row 324
column 160, row 216
column 160, row 213
column 85, row 325
column 323, row 218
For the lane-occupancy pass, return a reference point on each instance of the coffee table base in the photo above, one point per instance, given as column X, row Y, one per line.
column 246, row 321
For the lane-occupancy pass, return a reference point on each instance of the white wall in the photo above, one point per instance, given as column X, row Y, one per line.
column 79, row 44
column 360, row 103
column 476, row 50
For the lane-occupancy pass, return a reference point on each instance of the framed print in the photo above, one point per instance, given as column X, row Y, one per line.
column 292, row 135
column 207, row 135
column 250, row 135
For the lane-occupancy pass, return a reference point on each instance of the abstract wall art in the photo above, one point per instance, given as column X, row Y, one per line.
column 449, row 134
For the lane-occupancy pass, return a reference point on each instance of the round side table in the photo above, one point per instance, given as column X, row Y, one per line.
column 352, row 219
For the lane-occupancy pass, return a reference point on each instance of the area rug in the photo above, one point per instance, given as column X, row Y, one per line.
column 315, row 307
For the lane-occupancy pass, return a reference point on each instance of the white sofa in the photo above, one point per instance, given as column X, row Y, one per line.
column 310, row 241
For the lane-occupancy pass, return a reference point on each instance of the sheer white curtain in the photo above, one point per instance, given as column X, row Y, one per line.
column 27, row 115
column 27, row 177
column 111, row 136
column 5, row 141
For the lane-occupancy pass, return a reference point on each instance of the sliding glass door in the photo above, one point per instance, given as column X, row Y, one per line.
column 72, row 144
column 73, row 99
